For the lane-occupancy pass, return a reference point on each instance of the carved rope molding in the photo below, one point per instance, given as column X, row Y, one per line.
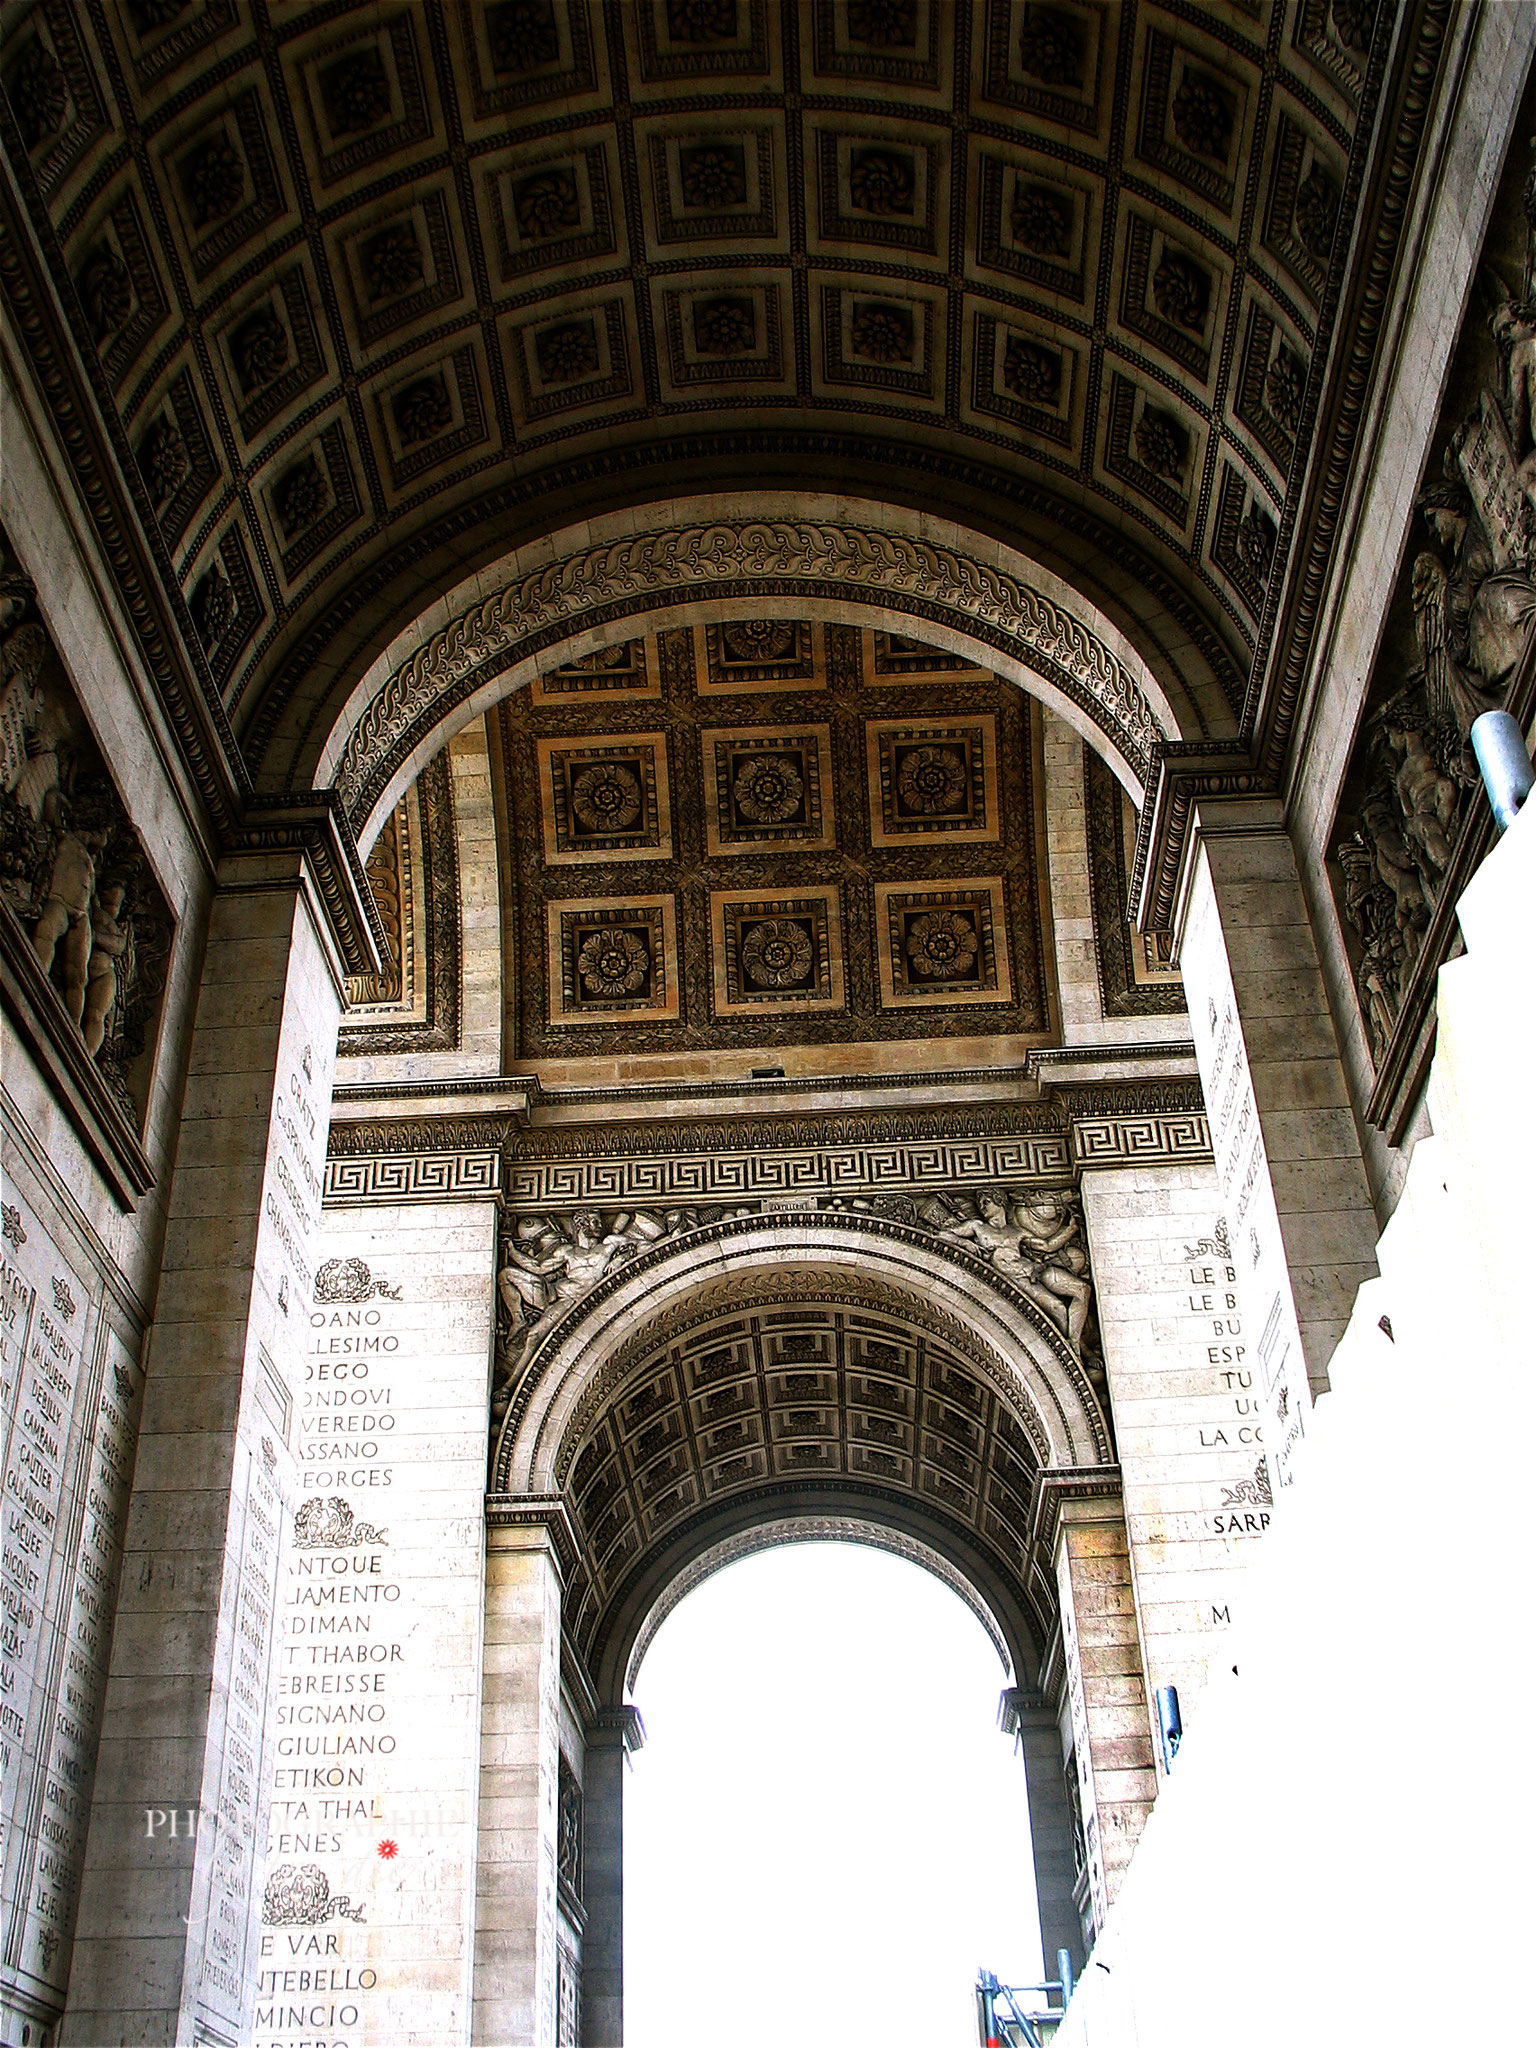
column 710, row 558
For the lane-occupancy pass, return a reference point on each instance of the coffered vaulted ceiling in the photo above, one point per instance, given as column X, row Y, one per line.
column 371, row 292
column 800, row 1399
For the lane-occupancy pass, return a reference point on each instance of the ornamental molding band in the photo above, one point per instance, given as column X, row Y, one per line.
column 1136, row 978
column 744, row 561
column 414, row 1177
column 315, row 828
column 410, row 1160
column 415, row 1005
column 807, row 1175
column 1100, row 1142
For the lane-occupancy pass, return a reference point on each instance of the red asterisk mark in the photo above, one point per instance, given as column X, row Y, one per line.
column 388, row 1849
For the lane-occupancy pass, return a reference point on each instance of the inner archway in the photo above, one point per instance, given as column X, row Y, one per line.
column 878, row 566
column 763, row 1377
column 792, row 1236
column 825, row 1830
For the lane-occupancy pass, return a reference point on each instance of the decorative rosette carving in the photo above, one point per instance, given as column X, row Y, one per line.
column 932, row 779
column 776, row 953
column 941, row 945
column 606, row 798
column 613, row 963
column 768, row 790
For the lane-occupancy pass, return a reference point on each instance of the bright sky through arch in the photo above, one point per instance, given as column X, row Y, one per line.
column 825, row 1832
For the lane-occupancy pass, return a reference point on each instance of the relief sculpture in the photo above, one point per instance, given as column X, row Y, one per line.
column 549, row 1261
column 1035, row 1240
column 72, row 870
column 1472, row 593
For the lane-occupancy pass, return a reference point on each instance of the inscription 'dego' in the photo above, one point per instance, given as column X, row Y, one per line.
column 341, row 1664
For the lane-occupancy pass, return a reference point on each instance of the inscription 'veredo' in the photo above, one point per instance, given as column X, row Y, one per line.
column 371, row 1762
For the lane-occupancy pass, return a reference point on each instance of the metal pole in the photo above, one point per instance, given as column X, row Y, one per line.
column 986, row 1985
column 1505, row 761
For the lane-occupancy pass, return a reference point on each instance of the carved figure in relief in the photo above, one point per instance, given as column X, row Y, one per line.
column 1013, row 1246
column 1380, row 984
column 21, row 702
column 554, row 1271
column 1426, row 798
column 65, row 919
column 1512, row 324
column 72, row 870
column 548, row 1263
column 1472, row 626
column 1048, row 1227
column 1473, row 596
column 1033, row 1237
column 1373, row 911
column 110, row 941
column 1394, row 864
column 38, row 776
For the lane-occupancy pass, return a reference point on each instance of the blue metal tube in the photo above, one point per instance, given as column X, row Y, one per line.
column 1170, row 1723
column 1505, row 761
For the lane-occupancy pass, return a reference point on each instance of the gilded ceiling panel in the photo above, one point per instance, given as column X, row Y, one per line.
column 814, row 872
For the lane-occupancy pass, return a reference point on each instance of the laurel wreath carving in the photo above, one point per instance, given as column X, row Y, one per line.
column 860, row 559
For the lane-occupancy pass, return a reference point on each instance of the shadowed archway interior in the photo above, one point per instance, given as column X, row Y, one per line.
column 373, row 296
column 762, row 1373
column 732, row 806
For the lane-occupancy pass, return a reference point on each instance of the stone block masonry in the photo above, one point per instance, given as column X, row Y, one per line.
column 367, row 1909
column 1188, row 1414
column 166, row 1946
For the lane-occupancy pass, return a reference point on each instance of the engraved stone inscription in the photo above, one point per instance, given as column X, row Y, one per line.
column 1258, row 1253
column 69, row 1388
column 366, row 1914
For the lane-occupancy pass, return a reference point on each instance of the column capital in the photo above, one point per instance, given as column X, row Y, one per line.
column 1019, row 1706
column 1187, row 773
column 1074, row 1493
column 532, row 1521
column 616, row 1728
column 280, row 839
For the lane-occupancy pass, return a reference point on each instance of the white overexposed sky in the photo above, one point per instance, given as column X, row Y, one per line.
column 825, row 1832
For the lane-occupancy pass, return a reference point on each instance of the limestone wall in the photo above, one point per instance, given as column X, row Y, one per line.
column 79, row 1258
column 369, row 1888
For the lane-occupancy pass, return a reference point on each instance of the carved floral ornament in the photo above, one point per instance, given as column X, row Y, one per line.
column 645, row 572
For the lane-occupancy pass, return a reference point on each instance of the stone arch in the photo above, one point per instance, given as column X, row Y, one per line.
column 657, row 1435
column 583, row 1357
column 771, row 1535
column 982, row 1398
column 856, row 561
